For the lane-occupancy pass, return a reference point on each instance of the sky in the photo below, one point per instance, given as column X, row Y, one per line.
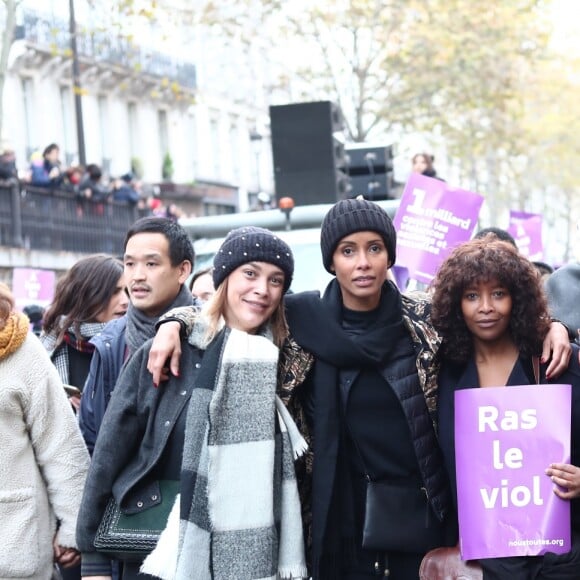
column 567, row 25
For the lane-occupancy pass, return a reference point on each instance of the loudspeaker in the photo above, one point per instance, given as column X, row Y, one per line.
column 308, row 158
column 312, row 187
column 372, row 187
column 364, row 160
column 370, row 170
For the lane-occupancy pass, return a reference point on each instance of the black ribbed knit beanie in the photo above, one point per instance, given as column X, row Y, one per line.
column 355, row 215
column 252, row 244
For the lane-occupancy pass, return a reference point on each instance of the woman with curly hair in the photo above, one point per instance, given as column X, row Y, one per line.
column 490, row 310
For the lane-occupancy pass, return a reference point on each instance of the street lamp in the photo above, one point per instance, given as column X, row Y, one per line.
column 286, row 205
column 77, row 85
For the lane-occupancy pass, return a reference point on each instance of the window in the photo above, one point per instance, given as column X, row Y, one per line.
column 234, row 151
column 163, row 132
column 215, row 148
column 192, row 144
column 103, row 110
column 218, row 208
column 133, row 130
column 28, row 98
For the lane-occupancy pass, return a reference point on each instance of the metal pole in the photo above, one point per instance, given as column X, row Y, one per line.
column 77, row 85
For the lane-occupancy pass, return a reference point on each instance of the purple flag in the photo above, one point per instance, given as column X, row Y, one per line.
column 431, row 220
column 526, row 228
column 505, row 438
column 31, row 286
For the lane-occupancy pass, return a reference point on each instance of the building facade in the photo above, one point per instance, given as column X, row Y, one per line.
column 188, row 107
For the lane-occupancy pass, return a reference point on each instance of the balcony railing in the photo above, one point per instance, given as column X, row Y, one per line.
column 102, row 46
column 43, row 219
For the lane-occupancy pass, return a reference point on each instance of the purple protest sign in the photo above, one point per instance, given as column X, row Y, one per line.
column 31, row 286
column 401, row 275
column 431, row 220
column 505, row 438
column 526, row 228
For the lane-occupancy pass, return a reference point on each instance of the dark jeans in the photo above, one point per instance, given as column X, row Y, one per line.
column 131, row 572
column 400, row 566
column 70, row 573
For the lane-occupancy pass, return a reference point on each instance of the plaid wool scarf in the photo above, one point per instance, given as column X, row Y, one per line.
column 239, row 507
column 58, row 350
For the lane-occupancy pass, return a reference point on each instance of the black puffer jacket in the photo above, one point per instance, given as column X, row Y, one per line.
column 411, row 378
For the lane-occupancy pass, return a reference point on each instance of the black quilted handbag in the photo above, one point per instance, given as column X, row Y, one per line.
column 131, row 537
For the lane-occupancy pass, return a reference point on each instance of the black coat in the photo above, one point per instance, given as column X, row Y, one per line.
column 133, row 438
column 312, row 325
column 453, row 377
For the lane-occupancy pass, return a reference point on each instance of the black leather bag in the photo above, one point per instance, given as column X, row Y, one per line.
column 398, row 517
column 131, row 536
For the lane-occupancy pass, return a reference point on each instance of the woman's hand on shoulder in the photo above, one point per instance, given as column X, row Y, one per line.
column 566, row 476
column 556, row 343
column 166, row 347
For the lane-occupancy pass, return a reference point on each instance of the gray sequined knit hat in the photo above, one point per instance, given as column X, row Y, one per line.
column 252, row 244
column 355, row 215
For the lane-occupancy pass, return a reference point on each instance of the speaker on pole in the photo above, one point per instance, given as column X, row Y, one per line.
column 308, row 152
column 370, row 169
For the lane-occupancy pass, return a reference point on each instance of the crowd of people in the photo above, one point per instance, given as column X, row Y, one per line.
column 89, row 186
column 256, row 433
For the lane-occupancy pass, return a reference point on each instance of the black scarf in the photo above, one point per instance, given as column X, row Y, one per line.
column 315, row 323
column 140, row 327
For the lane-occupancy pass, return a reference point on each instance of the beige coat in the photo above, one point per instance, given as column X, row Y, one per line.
column 43, row 463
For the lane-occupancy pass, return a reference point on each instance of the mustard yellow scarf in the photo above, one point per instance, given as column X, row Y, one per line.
column 13, row 334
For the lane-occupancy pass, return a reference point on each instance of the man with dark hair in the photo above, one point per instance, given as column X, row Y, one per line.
column 158, row 259
column 544, row 270
column 503, row 235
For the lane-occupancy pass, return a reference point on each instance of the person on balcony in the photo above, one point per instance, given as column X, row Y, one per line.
column 125, row 190
column 93, row 191
column 7, row 162
column 46, row 171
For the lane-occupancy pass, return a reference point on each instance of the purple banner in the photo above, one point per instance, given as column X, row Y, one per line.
column 31, row 286
column 431, row 220
column 505, row 439
column 526, row 228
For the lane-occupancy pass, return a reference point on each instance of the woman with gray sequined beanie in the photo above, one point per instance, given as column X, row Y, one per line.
column 259, row 249
column 252, row 244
